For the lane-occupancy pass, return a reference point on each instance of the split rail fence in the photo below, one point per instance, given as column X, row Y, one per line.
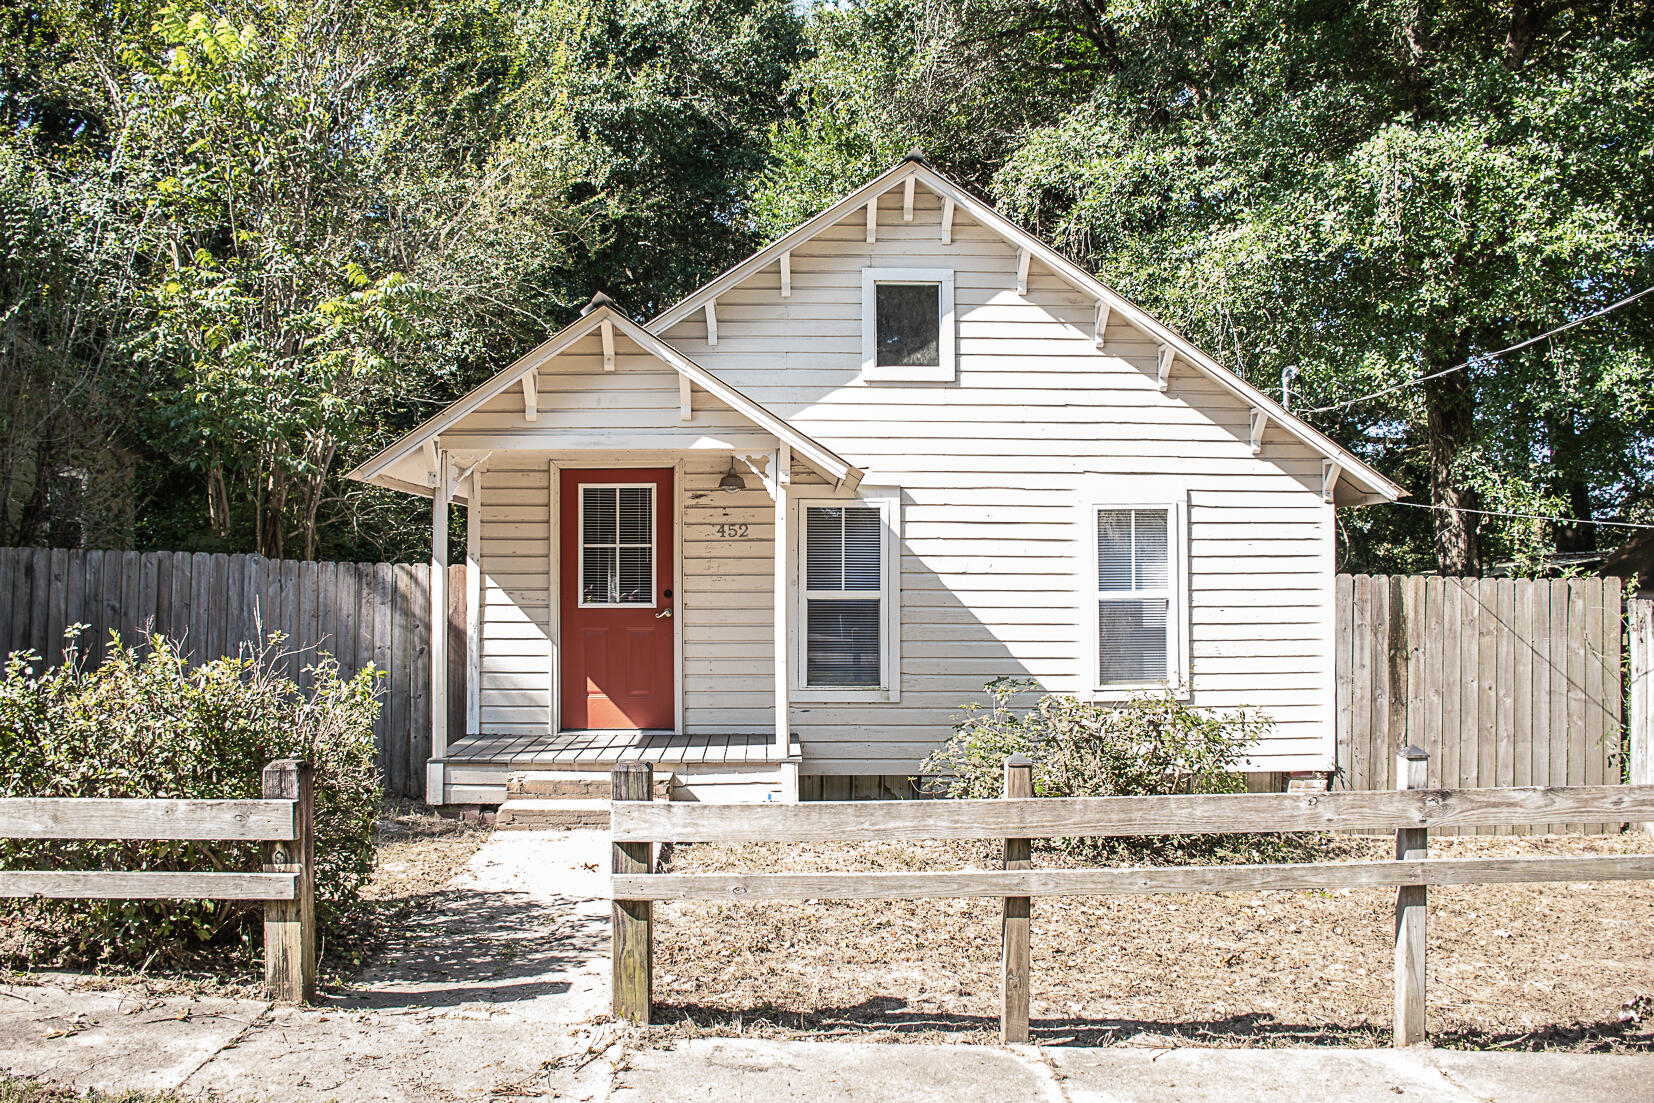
column 286, row 885
column 1411, row 811
column 360, row 613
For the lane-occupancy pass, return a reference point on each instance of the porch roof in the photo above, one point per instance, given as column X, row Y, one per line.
column 399, row 465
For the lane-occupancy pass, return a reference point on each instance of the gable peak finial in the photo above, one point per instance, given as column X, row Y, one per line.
column 916, row 154
column 598, row 300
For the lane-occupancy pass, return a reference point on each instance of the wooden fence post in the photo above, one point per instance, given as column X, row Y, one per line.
column 290, row 925
column 1412, row 844
column 631, row 928
column 1640, row 713
column 1014, row 940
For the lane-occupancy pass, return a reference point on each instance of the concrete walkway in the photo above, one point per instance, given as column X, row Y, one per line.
column 488, row 995
column 492, row 995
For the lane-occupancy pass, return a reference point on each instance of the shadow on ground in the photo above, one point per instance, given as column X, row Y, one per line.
column 891, row 1015
column 461, row 946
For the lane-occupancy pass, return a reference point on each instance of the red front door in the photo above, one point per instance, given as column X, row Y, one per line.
column 616, row 598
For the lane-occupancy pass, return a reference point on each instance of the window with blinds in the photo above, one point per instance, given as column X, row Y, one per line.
column 617, row 545
column 844, row 596
column 1134, row 597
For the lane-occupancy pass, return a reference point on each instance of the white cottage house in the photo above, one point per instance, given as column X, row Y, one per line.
column 782, row 531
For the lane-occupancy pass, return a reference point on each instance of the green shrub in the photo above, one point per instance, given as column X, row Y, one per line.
column 146, row 724
column 1150, row 744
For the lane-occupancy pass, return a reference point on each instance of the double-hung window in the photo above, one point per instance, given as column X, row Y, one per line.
column 907, row 324
column 1139, row 599
column 846, row 600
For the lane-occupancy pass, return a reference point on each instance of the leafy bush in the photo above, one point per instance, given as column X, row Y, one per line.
column 146, row 724
column 1150, row 744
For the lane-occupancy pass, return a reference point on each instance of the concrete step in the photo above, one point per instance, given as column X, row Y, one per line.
column 533, row 814
column 575, row 784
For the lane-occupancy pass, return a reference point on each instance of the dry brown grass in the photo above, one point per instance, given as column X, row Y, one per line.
column 1511, row 966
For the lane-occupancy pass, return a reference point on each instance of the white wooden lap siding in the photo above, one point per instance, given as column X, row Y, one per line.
column 995, row 472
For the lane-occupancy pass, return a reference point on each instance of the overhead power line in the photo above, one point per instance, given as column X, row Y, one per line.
column 1526, row 516
column 1480, row 358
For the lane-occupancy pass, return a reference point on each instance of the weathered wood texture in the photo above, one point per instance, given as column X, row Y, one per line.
column 1412, row 844
column 1640, row 699
column 632, row 949
column 108, row 885
column 290, row 925
column 107, row 818
column 1067, row 817
column 1503, row 681
column 1015, row 946
column 963, row 884
column 216, row 605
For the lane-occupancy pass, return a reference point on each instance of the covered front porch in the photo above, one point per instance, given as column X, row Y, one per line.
column 713, row 768
column 585, row 648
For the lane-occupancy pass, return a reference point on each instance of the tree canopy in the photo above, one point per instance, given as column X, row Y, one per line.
column 248, row 242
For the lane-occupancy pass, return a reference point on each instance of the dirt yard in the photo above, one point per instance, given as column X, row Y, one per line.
column 1556, row 966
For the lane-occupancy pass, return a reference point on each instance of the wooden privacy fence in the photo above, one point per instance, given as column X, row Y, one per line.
column 638, row 822
column 360, row 613
column 1503, row 681
column 282, row 820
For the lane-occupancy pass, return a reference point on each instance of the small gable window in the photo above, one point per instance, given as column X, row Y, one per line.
column 907, row 324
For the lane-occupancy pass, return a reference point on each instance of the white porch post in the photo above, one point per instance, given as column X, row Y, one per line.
column 441, row 494
column 782, row 479
column 473, row 602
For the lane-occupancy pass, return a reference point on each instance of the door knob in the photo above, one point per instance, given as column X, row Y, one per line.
column 666, row 612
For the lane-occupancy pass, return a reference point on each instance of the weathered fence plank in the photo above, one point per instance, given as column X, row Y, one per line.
column 108, row 885
column 963, row 884
column 1070, row 817
column 1501, row 681
column 216, row 605
column 123, row 818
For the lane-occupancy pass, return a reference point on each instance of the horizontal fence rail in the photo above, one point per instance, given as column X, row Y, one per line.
column 924, row 885
column 107, row 885
column 214, row 605
column 1072, row 817
column 158, row 820
column 1412, row 810
column 286, row 885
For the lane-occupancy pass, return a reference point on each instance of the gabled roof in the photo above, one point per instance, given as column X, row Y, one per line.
column 816, row 455
column 1350, row 467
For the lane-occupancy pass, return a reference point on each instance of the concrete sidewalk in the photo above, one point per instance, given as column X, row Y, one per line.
column 732, row 1071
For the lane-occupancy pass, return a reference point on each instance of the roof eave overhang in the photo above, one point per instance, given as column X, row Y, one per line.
column 823, row 460
column 1353, row 470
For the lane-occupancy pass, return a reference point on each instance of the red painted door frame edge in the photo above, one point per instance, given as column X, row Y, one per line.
column 617, row 665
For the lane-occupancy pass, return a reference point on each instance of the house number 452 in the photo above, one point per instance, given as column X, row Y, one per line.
column 732, row 532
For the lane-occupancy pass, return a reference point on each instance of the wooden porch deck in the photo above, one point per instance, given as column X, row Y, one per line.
column 594, row 748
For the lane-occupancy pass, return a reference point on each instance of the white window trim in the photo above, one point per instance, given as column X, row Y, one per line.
column 1178, row 676
column 943, row 372
column 654, row 547
column 887, row 500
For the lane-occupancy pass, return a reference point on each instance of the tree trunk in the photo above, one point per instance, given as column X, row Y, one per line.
column 1450, row 410
column 1565, row 457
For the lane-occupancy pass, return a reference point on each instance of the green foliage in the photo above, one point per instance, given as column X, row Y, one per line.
column 145, row 724
column 1150, row 744
column 1364, row 191
column 266, row 236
